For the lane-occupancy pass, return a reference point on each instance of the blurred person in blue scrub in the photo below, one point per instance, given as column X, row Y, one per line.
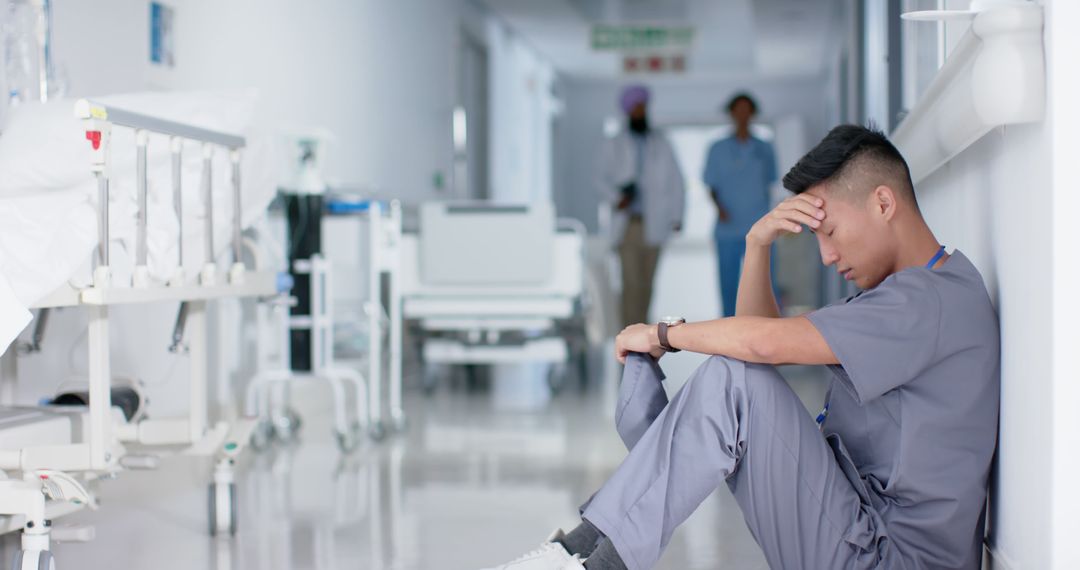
column 738, row 172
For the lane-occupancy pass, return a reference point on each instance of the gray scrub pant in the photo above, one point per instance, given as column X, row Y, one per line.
column 741, row 424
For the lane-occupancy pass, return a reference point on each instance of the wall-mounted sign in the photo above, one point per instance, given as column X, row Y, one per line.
column 654, row 63
column 161, row 34
column 621, row 38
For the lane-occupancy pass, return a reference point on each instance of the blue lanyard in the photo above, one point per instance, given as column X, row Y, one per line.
column 937, row 256
column 930, row 264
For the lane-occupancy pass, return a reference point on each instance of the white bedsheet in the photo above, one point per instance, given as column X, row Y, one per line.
column 48, row 196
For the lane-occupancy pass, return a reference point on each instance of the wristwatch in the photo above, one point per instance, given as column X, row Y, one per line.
column 661, row 331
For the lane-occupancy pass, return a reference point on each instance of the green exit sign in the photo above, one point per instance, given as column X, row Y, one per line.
column 640, row 37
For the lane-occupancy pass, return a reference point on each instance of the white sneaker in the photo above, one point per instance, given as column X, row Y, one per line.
column 550, row 556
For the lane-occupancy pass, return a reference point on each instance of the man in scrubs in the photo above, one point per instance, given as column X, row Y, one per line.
column 893, row 474
column 739, row 170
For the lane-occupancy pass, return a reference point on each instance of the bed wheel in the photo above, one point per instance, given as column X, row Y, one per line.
column 435, row 374
column 378, row 431
column 222, row 509
column 262, row 435
column 430, row 382
column 347, row 441
column 287, row 427
column 557, row 377
column 33, row 560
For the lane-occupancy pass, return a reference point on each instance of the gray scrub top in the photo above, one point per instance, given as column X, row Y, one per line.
column 913, row 408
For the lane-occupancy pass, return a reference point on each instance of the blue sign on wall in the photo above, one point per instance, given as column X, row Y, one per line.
column 161, row 34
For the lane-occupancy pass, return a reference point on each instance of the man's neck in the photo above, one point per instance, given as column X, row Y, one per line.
column 918, row 246
column 742, row 133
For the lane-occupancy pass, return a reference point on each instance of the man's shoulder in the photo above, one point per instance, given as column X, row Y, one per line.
column 721, row 142
column 658, row 136
column 911, row 284
column 957, row 289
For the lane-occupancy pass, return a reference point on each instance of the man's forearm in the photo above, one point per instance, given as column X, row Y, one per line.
column 755, row 297
column 755, row 339
column 733, row 337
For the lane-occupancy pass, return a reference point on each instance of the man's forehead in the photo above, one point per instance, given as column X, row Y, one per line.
column 819, row 190
column 831, row 195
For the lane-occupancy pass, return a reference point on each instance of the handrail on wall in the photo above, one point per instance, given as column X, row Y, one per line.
column 995, row 76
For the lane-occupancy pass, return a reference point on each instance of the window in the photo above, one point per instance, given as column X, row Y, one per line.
column 926, row 45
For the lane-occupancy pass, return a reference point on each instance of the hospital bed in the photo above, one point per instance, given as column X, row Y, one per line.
column 494, row 284
column 52, row 456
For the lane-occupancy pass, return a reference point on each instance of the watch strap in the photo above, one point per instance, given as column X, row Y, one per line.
column 661, row 334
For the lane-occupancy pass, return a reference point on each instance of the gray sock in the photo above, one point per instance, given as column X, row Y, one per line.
column 605, row 557
column 582, row 540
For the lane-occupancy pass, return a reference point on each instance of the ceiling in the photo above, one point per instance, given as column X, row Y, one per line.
column 763, row 38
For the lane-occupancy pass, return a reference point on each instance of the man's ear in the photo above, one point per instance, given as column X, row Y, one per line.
column 883, row 201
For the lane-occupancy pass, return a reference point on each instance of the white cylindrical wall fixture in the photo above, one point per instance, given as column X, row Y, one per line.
column 1008, row 76
column 995, row 76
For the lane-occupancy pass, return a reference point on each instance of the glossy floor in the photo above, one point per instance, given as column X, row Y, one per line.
column 481, row 475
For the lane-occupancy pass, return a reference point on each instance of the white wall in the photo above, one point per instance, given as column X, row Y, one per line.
column 579, row 134
column 522, row 109
column 1007, row 202
column 376, row 74
column 102, row 47
column 1063, row 43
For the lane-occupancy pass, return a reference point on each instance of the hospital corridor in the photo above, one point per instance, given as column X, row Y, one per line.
column 539, row 284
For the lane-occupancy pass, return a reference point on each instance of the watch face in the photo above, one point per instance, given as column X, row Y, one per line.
column 673, row 320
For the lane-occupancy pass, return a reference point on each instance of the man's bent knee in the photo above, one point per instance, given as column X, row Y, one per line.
column 721, row 370
column 726, row 373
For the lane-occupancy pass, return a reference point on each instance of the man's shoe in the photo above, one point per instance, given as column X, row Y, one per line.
column 550, row 556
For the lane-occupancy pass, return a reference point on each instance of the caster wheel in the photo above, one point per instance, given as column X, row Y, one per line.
column 557, row 378
column 262, row 435
column 287, row 426
column 582, row 368
column 222, row 509
column 378, row 431
column 432, row 376
column 347, row 442
column 33, row 560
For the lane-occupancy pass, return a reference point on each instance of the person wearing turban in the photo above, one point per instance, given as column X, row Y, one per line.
column 641, row 180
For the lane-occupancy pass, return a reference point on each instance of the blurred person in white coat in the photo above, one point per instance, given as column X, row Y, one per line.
column 640, row 179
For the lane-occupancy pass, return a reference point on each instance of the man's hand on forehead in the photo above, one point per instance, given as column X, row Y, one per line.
column 788, row 217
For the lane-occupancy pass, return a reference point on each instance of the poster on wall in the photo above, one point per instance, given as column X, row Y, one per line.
column 161, row 34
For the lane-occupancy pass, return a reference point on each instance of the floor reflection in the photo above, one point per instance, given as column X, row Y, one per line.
column 467, row 486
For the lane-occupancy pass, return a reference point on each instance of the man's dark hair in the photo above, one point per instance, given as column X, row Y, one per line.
column 742, row 97
column 862, row 156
